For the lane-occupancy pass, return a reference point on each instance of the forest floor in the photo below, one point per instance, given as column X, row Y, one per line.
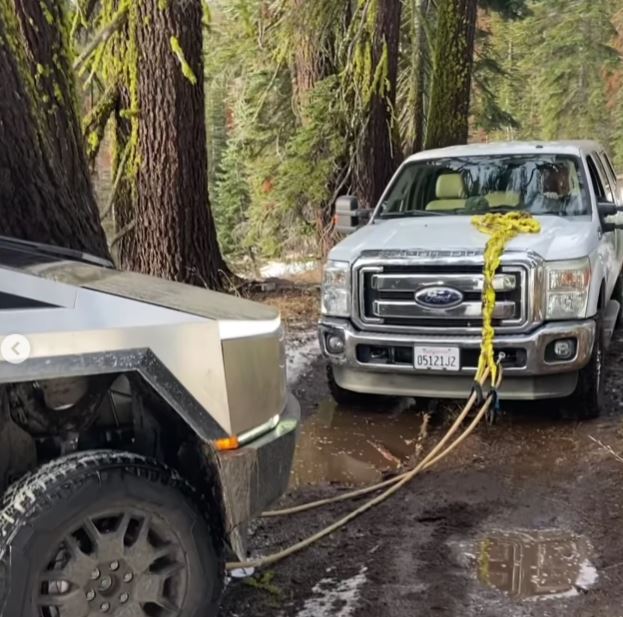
column 523, row 519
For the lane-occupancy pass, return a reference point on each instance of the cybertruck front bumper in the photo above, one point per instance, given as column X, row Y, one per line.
column 257, row 474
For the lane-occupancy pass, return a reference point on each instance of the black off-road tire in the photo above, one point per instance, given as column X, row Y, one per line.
column 107, row 529
column 617, row 295
column 587, row 402
column 348, row 398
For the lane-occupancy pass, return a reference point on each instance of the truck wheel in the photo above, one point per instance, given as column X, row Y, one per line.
column 617, row 295
column 103, row 532
column 587, row 401
column 348, row 398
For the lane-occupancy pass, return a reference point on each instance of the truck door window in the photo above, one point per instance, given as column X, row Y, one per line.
column 605, row 181
column 612, row 177
column 609, row 165
column 600, row 193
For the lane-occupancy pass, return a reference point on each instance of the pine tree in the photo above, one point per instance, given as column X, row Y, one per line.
column 45, row 190
column 452, row 73
column 151, row 65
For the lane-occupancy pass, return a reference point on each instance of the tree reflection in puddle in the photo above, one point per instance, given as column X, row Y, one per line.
column 355, row 447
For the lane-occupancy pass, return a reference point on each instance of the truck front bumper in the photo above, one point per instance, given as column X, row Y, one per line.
column 257, row 474
column 381, row 363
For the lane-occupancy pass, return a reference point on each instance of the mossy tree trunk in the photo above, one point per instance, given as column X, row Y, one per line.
column 313, row 59
column 45, row 188
column 421, row 53
column 378, row 151
column 452, row 73
column 162, row 211
column 309, row 64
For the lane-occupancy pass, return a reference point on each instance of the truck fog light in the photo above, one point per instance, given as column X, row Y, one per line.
column 564, row 349
column 335, row 343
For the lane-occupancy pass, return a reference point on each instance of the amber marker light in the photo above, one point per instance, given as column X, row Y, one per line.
column 227, row 443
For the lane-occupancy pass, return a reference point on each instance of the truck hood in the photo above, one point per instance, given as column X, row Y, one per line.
column 560, row 237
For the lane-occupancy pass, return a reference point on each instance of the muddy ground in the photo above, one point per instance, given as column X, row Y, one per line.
column 525, row 518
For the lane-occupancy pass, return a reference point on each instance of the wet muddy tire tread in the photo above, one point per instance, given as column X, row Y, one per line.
column 44, row 488
column 617, row 295
column 586, row 402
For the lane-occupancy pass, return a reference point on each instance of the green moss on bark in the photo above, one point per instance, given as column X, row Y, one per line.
column 187, row 71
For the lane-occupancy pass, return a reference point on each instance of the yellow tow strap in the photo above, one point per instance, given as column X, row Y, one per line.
column 502, row 228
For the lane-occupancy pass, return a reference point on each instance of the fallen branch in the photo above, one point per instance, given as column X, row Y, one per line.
column 101, row 36
column 94, row 123
column 607, row 448
column 122, row 232
column 116, row 183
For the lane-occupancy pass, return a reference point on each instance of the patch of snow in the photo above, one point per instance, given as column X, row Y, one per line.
column 334, row 600
column 276, row 269
column 588, row 575
column 300, row 353
column 242, row 572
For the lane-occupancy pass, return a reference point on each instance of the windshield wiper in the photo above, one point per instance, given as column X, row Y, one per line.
column 394, row 215
column 57, row 251
column 483, row 210
column 504, row 208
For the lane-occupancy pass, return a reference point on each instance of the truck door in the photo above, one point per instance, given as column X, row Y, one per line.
column 618, row 200
column 608, row 249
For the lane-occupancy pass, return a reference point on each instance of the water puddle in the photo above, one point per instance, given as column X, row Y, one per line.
column 535, row 564
column 355, row 447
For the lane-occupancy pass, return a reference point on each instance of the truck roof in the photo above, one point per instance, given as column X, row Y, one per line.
column 577, row 148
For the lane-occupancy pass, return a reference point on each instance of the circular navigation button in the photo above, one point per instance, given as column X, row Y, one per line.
column 15, row 348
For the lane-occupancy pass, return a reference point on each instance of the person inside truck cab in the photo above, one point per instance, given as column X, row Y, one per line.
column 556, row 183
column 556, row 194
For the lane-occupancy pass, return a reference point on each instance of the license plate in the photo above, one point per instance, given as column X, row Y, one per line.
column 437, row 358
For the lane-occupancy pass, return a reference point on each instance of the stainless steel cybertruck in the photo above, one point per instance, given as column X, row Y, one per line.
column 143, row 423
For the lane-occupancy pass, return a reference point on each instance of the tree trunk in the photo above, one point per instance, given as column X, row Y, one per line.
column 308, row 63
column 452, row 73
column 378, row 153
column 311, row 63
column 164, row 221
column 421, row 46
column 45, row 189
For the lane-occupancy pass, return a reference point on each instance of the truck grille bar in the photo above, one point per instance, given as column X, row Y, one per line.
column 387, row 297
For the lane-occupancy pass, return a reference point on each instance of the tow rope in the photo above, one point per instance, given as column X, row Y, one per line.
column 502, row 228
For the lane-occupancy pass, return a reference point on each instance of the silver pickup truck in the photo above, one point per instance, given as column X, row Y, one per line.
column 143, row 423
column 401, row 298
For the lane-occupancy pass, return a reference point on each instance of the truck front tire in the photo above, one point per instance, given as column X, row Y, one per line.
column 587, row 401
column 105, row 532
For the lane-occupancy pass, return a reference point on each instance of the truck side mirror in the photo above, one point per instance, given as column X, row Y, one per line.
column 607, row 209
column 348, row 215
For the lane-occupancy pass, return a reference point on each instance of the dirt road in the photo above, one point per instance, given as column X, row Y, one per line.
column 525, row 519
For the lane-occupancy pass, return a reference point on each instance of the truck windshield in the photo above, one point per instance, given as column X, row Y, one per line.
column 539, row 184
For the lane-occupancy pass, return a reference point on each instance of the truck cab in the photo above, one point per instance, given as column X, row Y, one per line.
column 401, row 299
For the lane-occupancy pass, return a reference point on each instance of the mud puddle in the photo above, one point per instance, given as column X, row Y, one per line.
column 534, row 565
column 353, row 447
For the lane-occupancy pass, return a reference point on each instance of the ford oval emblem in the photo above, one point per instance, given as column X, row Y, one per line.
column 439, row 297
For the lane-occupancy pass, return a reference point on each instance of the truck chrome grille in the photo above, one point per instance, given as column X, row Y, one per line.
column 387, row 296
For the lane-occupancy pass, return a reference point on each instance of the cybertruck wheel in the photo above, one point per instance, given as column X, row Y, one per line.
column 348, row 398
column 103, row 532
column 587, row 402
column 617, row 295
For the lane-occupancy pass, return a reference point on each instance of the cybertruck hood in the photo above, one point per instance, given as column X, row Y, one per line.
column 217, row 359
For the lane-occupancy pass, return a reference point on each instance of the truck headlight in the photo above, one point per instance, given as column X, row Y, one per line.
column 336, row 289
column 567, row 289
